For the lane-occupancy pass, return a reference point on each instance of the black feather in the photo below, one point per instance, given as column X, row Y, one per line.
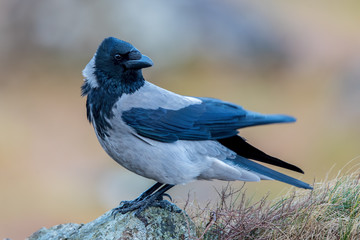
column 244, row 149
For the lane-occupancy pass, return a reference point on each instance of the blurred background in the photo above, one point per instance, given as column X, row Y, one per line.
column 292, row 57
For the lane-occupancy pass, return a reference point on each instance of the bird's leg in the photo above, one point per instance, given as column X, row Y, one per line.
column 146, row 199
column 156, row 200
column 127, row 204
column 148, row 192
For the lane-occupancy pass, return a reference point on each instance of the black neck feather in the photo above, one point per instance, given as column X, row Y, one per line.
column 101, row 100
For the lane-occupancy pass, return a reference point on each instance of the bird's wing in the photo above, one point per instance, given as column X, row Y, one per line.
column 211, row 119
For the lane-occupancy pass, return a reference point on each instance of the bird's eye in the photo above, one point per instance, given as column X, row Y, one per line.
column 118, row 57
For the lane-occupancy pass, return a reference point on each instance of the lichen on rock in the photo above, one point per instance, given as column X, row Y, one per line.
column 155, row 223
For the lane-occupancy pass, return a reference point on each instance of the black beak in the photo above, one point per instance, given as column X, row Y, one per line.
column 138, row 61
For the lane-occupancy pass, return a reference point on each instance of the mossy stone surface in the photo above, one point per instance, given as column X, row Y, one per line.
column 155, row 223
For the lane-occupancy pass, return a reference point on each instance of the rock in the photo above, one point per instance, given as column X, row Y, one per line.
column 155, row 223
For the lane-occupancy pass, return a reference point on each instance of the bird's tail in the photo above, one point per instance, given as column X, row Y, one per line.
column 268, row 173
column 244, row 149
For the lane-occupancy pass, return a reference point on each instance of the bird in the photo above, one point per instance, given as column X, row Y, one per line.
column 167, row 137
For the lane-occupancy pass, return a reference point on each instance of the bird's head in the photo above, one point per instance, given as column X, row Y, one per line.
column 115, row 63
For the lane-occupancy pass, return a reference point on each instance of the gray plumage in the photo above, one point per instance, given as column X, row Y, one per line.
column 167, row 137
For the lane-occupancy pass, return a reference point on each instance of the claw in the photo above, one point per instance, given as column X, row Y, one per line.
column 144, row 201
column 166, row 195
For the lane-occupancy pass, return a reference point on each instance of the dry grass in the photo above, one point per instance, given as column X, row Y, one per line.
column 330, row 211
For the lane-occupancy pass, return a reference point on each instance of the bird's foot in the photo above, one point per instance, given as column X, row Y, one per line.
column 141, row 203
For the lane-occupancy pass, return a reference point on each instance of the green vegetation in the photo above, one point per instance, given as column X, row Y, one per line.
column 330, row 211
